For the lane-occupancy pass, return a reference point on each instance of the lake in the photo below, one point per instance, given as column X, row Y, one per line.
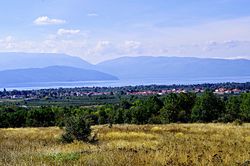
column 119, row 83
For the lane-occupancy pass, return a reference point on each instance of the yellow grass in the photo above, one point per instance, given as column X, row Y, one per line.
column 173, row 144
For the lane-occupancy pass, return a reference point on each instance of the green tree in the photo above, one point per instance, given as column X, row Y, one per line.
column 118, row 117
column 245, row 107
column 103, row 117
column 169, row 112
column 40, row 117
column 127, row 116
column 124, row 104
column 3, row 119
column 186, row 103
column 139, row 115
column 232, row 109
column 207, row 108
column 76, row 128
column 153, row 105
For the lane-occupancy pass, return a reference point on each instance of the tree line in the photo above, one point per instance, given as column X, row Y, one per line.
column 172, row 108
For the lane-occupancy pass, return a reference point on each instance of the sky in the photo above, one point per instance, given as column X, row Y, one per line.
column 98, row 30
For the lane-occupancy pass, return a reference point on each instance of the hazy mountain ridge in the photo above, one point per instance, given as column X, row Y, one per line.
column 39, row 60
column 28, row 67
column 52, row 74
column 174, row 67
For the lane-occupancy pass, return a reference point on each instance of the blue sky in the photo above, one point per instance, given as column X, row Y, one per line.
column 97, row 30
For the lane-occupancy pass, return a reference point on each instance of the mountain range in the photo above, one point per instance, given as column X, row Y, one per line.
column 44, row 67
column 51, row 74
column 174, row 67
column 12, row 60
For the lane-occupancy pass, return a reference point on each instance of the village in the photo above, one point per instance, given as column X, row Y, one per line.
column 78, row 92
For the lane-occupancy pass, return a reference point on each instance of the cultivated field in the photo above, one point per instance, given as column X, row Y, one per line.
column 173, row 144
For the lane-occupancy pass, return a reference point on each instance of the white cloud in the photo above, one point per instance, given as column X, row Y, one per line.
column 55, row 45
column 101, row 45
column 92, row 14
column 224, row 39
column 9, row 39
column 130, row 44
column 45, row 20
column 68, row 31
column 99, row 50
column 7, row 43
column 225, row 45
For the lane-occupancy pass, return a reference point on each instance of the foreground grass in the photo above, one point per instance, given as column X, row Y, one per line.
column 173, row 144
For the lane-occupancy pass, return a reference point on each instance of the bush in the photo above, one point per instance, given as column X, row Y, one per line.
column 237, row 122
column 76, row 128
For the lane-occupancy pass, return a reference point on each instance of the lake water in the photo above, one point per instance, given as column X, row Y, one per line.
column 119, row 83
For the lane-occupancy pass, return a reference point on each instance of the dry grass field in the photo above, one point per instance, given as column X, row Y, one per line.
column 173, row 144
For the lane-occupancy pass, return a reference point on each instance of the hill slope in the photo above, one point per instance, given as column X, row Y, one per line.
column 174, row 67
column 51, row 74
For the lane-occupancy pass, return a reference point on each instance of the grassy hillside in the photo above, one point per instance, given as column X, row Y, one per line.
column 173, row 144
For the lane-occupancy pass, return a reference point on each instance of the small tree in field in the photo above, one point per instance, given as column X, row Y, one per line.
column 76, row 128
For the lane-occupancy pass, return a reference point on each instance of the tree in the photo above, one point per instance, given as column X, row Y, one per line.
column 40, row 117
column 4, row 121
column 125, row 104
column 232, row 109
column 153, row 105
column 103, row 117
column 169, row 112
column 17, row 118
column 186, row 103
column 118, row 117
column 245, row 107
column 207, row 108
column 139, row 115
column 76, row 128
column 127, row 116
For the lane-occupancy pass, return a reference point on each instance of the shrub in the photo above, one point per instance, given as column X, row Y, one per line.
column 237, row 122
column 76, row 128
